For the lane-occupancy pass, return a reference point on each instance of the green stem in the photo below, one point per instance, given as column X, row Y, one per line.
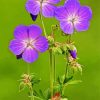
column 28, row 69
column 51, row 74
column 31, row 89
column 66, row 72
column 43, row 24
column 54, row 68
column 54, row 59
column 32, row 96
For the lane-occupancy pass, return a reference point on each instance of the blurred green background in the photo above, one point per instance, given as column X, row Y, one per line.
column 13, row 13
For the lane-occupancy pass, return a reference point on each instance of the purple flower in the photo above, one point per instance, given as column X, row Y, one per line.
column 28, row 42
column 73, row 53
column 73, row 16
column 46, row 7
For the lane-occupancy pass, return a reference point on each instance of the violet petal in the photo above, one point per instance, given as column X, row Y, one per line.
column 41, row 44
column 54, row 1
column 17, row 47
column 82, row 25
column 20, row 32
column 34, row 31
column 67, row 27
column 30, row 55
column 33, row 6
column 48, row 10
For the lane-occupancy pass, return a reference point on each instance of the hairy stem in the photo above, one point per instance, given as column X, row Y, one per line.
column 31, row 88
column 54, row 68
column 32, row 96
column 43, row 25
column 51, row 74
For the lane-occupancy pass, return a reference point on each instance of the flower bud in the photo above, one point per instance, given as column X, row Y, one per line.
column 34, row 17
column 73, row 53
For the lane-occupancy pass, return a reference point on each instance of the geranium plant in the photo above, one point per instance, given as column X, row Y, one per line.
column 28, row 42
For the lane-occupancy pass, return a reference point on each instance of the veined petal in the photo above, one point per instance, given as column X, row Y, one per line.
column 30, row 55
column 33, row 6
column 72, row 6
column 82, row 25
column 61, row 13
column 85, row 13
column 17, row 47
column 20, row 32
column 41, row 44
column 34, row 31
column 67, row 27
column 53, row 1
column 48, row 10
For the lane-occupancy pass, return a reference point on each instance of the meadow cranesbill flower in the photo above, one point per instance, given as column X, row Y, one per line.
column 73, row 16
column 28, row 42
column 46, row 7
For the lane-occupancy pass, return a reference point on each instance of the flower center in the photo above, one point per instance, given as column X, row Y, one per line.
column 41, row 1
column 73, row 19
column 29, row 43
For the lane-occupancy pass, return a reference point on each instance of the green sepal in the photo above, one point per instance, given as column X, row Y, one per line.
column 21, row 86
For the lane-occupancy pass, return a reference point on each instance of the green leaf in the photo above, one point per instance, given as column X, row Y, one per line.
column 64, row 99
column 47, row 94
column 73, row 82
column 58, row 88
column 67, row 79
column 41, row 94
column 35, row 93
column 21, row 86
column 80, row 69
column 35, row 80
column 57, row 50
column 58, row 79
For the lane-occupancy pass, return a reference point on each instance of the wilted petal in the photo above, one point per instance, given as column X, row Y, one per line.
column 85, row 13
column 82, row 25
column 34, row 17
column 20, row 32
column 30, row 55
column 72, row 6
column 61, row 13
column 34, row 31
column 48, row 10
column 41, row 44
column 33, row 6
column 67, row 27
column 53, row 1
column 17, row 47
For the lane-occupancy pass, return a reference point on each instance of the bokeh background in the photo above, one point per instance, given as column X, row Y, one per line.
column 13, row 13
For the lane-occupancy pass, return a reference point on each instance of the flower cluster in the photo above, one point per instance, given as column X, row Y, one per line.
column 28, row 42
